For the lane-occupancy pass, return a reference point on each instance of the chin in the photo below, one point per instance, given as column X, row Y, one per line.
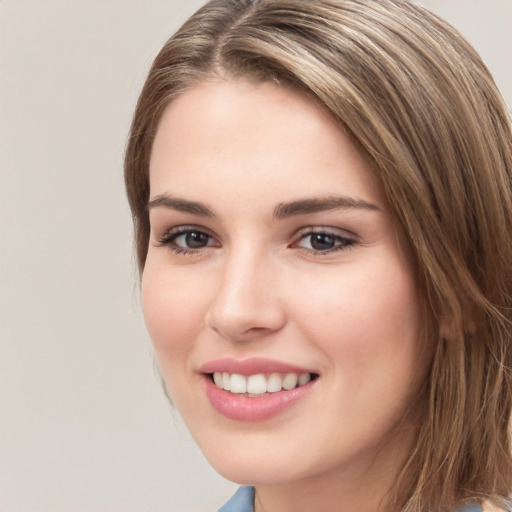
column 247, row 473
column 247, row 462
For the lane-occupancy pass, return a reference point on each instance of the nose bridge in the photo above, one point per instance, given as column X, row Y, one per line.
column 246, row 302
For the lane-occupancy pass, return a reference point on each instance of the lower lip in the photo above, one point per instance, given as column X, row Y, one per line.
column 259, row 408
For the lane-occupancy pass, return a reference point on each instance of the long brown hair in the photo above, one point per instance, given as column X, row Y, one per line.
column 424, row 111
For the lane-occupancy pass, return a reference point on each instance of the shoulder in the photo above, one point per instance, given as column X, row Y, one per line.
column 485, row 507
column 488, row 507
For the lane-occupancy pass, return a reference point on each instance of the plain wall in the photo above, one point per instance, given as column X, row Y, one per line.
column 84, row 425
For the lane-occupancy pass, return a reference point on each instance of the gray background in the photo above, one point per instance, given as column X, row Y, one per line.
column 84, row 425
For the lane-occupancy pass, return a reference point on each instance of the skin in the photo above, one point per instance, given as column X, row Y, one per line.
column 260, row 287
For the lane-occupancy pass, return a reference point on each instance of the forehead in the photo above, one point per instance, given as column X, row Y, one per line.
column 235, row 133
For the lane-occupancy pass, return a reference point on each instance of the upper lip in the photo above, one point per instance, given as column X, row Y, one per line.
column 251, row 366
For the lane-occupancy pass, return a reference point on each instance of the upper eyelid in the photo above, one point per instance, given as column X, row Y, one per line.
column 177, row 230
column 342, row 232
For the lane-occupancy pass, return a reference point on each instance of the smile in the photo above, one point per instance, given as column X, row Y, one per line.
column 255, row 389
column 260, row 384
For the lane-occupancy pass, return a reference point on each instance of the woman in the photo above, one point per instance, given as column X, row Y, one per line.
column 322, row 201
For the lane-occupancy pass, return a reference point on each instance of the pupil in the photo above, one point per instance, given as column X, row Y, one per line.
column 195, row 240
column 322, row 242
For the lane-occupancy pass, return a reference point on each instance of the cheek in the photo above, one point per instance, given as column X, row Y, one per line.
column 368, row 322
column 174, row 313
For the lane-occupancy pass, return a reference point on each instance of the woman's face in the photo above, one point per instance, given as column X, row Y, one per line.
column 274, row 269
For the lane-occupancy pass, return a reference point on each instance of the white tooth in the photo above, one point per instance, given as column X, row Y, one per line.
column 256, row 384
column 274, row 383
column 226, row 379
column 304, row 378
column 217, row 378
column 290, row 381
column 238, row 383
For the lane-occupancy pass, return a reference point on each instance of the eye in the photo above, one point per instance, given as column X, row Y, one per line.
column 324, row 242
column 192, row 240
column 187, row 240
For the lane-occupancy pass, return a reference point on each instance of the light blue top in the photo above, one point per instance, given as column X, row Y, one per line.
column 243, row 500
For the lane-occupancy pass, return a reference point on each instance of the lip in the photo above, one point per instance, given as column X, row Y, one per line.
column 241, row 407
column 251, row 366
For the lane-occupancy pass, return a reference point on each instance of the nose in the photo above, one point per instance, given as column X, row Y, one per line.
column 246, row 304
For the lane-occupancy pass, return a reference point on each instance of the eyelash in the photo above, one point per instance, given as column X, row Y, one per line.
column 343, row 243
column 169, row 240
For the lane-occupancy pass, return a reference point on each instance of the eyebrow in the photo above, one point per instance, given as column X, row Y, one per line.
column 282, row 211
column 314, row 205
column 181, row 205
